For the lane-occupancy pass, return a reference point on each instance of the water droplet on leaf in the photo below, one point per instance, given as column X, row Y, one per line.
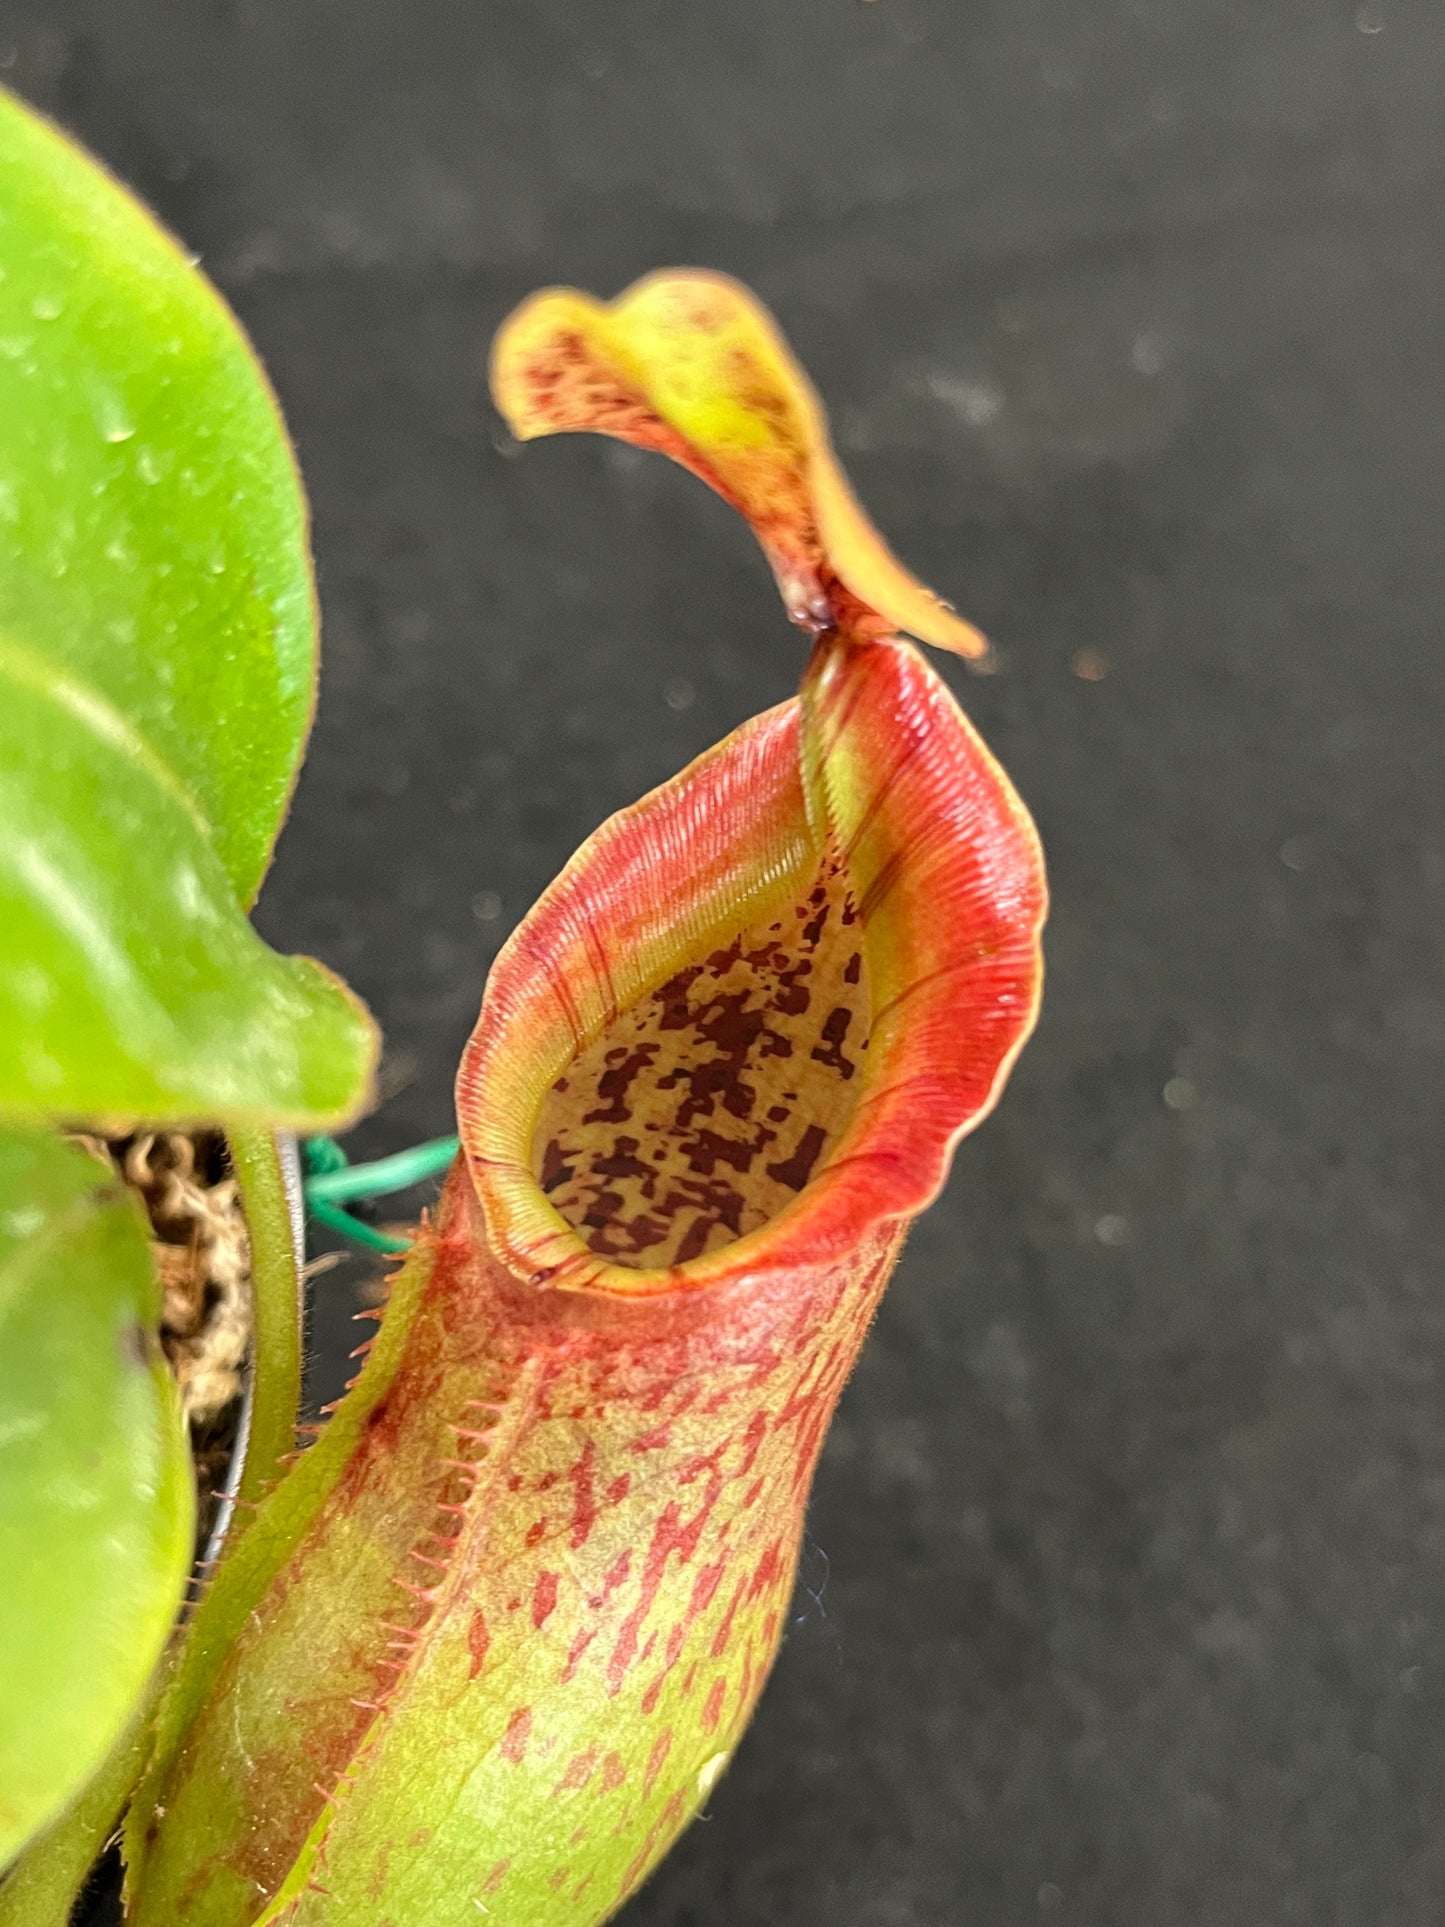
column 114, row 423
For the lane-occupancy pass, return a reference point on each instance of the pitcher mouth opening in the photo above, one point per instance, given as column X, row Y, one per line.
column 704, row 1109
column 753, row 1014
column 641, row 1095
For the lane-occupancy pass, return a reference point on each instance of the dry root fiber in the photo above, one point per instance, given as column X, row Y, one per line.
column 198, row 1239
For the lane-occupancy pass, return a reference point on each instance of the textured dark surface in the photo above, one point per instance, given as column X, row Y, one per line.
column 1129, row 316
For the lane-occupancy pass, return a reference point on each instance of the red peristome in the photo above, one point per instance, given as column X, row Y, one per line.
column 951, row 893
column 878, row 764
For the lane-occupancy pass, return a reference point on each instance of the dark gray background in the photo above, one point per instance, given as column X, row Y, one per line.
column 1129, row 316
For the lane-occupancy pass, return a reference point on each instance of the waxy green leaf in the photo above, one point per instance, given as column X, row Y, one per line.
column 131, row 983
column 157, row 667
column 152, row 525
column 96, row 1501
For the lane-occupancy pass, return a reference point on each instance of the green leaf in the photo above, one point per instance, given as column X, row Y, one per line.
column 131, row 985
column 96, row 1501
column 157, row 662
column 153, row 537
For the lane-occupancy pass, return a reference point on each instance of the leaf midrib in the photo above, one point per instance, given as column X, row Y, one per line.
column 95, row 712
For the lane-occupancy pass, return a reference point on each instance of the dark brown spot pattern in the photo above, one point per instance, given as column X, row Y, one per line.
column 705, row 1107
